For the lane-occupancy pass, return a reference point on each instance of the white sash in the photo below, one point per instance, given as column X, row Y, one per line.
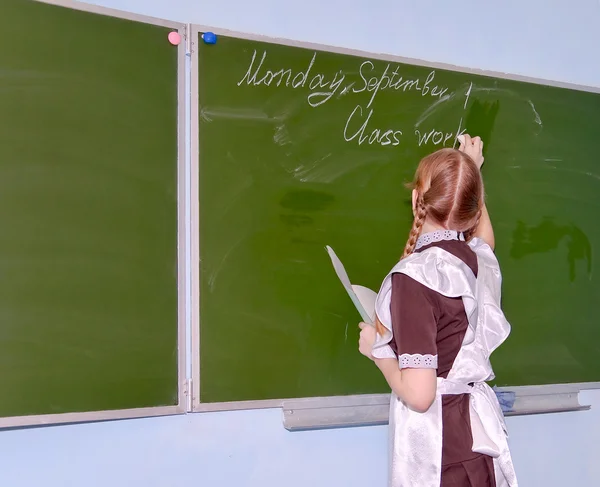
column 416, row 438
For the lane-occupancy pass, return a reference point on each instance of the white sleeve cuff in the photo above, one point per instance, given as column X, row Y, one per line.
column 418, row 361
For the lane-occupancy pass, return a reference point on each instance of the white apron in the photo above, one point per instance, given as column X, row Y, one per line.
column 416, row 438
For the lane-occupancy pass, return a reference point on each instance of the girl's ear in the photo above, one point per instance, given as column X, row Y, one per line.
column 414, row 201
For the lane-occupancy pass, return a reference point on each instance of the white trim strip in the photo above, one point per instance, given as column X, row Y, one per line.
column 374, row 410
column 365, row 399
column 183, row 219
column 51, row 419
column 195, row 218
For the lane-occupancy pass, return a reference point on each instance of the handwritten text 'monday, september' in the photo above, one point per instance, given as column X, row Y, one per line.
column 324, row 87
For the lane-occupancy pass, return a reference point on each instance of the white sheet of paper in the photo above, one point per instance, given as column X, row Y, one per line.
column 362, row 297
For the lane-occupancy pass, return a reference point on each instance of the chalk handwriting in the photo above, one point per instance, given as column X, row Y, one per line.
column 395, row 81
column 438, row 137
column 295, row 80
column 321, row 87
column 467, row 96
column 363, row 134
column 326, row 86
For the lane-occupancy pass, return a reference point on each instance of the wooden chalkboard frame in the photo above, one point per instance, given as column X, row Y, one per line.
column 182, row 219
column 353, row 410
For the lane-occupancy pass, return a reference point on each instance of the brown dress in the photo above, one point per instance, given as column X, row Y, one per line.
column 425, row 322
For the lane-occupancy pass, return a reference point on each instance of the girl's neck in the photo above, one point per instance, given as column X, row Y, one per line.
column 429, row 226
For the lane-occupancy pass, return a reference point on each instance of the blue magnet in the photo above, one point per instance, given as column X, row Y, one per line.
column 209, row 38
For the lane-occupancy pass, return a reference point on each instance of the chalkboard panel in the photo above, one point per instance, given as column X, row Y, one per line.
column 88, row 211
column 299, row 149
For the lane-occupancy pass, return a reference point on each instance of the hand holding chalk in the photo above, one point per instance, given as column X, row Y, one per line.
column 473, row 147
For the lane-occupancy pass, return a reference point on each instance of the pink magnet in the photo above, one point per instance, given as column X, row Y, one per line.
column 174, row 38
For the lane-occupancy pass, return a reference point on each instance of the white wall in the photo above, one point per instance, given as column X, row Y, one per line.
column 251, row 449
column 547, row 39
column 553, row 40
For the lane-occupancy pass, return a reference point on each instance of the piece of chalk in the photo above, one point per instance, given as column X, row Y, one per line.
column 460, row 138
column 174, row 38
column 209, row 38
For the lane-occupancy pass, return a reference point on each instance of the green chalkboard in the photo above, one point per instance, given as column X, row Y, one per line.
column 88, row 212
column 300, row 149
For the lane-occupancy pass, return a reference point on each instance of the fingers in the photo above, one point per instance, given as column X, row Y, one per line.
column 366, row 330
column 473, row 147
column 472, row 141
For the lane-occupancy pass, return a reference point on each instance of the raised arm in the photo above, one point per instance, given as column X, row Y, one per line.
column 484, row 229
column 473, row 147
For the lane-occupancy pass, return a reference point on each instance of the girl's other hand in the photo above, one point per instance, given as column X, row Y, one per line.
column 367, row 339
column 473, row 147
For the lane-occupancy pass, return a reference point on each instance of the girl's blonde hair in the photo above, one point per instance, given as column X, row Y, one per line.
column 449, row 191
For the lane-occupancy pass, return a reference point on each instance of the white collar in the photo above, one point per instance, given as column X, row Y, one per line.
column 438, row 236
